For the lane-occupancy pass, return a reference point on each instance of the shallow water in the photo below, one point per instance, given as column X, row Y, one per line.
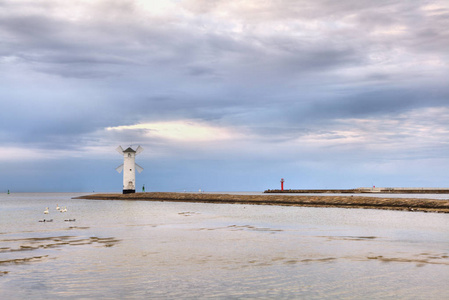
column 137, row 249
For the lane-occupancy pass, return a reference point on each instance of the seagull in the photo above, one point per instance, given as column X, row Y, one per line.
column 57, row 207
column 46, row 211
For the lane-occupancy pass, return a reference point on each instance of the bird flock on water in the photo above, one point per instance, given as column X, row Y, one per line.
column 60, row 209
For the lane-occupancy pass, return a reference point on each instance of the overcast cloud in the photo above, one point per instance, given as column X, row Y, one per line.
column 224, row 95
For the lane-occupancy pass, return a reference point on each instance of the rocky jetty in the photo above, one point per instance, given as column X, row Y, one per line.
column 408, row 204
column 379, row 190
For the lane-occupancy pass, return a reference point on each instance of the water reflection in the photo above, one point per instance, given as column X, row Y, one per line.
column 136, row 249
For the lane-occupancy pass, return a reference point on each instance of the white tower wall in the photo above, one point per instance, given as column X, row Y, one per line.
column 129, row 172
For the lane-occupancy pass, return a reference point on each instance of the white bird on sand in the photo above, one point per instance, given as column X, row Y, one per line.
column 46, row 211
column 57, row 207
column 63, row 209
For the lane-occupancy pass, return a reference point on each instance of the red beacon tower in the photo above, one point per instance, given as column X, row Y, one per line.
column 282, row 184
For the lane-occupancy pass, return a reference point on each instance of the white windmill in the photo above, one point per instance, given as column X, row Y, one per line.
column 129, row 167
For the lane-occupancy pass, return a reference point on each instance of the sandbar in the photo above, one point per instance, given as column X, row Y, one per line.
column 349, row 201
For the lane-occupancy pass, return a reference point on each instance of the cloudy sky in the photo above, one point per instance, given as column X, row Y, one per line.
column 224, row 95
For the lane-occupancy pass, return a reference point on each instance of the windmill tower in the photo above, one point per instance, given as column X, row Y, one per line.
column 129, row 167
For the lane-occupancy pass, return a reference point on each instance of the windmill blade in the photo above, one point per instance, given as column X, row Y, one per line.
column 139, row 149
column 119, row 149
column 139, row 168
column 119, row 168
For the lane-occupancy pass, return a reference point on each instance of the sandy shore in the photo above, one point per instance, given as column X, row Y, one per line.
column 409, row 204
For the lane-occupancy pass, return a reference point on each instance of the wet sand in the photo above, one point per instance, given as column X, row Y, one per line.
column 408, row 204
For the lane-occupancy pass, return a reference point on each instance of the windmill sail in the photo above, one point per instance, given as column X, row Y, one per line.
column 119, row 168
column 139, row 149
column 119, row 149
column 139, row 168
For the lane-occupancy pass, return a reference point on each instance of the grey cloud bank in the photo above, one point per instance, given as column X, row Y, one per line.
column 230, row 95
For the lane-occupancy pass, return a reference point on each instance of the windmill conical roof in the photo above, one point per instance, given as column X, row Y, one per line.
column 129, row 149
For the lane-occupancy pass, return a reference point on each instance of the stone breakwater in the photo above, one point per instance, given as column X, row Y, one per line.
column 409, row 204
column 363, row 191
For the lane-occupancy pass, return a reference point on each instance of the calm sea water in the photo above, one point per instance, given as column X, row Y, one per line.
column 163, row 250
